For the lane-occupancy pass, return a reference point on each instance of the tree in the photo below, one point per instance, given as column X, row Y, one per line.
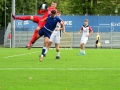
column 67, row 7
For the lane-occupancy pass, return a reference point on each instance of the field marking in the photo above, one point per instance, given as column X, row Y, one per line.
column 20, row 54
column 71, row 69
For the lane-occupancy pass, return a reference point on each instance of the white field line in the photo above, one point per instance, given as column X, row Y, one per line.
column 71, row 69
column 20, row 54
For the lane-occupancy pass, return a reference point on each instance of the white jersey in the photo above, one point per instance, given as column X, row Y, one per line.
column 57, row 32
column 56, row 35
column 86, row 30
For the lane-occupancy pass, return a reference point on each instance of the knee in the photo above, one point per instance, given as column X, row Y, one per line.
column 45, row 44
column 82, row 44
column 57, row 49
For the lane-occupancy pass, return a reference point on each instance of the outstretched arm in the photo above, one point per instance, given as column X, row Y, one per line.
column 79, row 32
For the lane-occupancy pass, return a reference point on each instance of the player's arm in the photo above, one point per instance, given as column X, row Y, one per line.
column 80, row 31
column 44, row 19
column 63, row 29
column 62, row 25
column 45, row 16
column 91, row 31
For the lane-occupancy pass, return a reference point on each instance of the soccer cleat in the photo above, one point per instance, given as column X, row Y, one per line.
column 80, row 53
column 29, row 46
column 84, row 53
column 41, row 58
column 13, row 16
column 57, row 57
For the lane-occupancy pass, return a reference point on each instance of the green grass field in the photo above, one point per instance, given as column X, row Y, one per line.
column 20, row 69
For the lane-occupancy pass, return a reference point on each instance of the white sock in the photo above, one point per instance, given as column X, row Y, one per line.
column 58, row 53
column 84, row 51
column 81, row 50
column 46, row 51
column 41, row 55
column 44, row 47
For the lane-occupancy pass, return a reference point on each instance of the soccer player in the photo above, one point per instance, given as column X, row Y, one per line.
column 97, row 40
column 49, row 8
column 47, row 30
column 87, row 31
column 55, row 37
column 37, row 19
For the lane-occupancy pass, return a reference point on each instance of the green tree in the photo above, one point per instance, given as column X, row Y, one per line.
column 67, row 7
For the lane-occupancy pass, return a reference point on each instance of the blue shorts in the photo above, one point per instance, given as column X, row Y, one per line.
column 44, row 32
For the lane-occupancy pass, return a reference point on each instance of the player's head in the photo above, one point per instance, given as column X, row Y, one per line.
column 58, row 13
column 97, row 33
column 53, row 13
column 86, row 22
column 53, row 4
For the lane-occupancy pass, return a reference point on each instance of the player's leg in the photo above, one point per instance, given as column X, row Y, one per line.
column 34, row 37
column 57, row 41
column 52, row 39
column 46, row 41
column 23, row 17
column 83, row 48
column 57, row 51
column 49, row 44
column 47, row 35
column 82, row 43
column 40, row 34
column 29, row 46
column 96, row 43
column 40, row 25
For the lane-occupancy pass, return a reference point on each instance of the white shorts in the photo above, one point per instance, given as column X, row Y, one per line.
column 84, row 40
column 55, row 38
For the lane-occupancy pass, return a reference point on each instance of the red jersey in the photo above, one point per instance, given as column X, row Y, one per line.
column 41, row 11
column 49, row 10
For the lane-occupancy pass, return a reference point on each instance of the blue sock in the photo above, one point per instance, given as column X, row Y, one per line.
column 43, row 50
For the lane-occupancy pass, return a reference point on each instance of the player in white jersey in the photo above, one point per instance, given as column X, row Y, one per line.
column 87, row 31
column 55, row 37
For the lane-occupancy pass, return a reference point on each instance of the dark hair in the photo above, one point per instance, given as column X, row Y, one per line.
column 54, row 1
column 53, row 12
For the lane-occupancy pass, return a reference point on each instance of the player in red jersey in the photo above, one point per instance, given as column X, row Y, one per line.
column 37, row 19
column 50, row 8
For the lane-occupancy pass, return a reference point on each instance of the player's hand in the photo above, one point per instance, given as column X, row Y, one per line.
column 78, row 33
column 87, row 35
column 64, row 32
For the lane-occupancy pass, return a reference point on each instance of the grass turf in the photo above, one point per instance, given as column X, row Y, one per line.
column 20, row 69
